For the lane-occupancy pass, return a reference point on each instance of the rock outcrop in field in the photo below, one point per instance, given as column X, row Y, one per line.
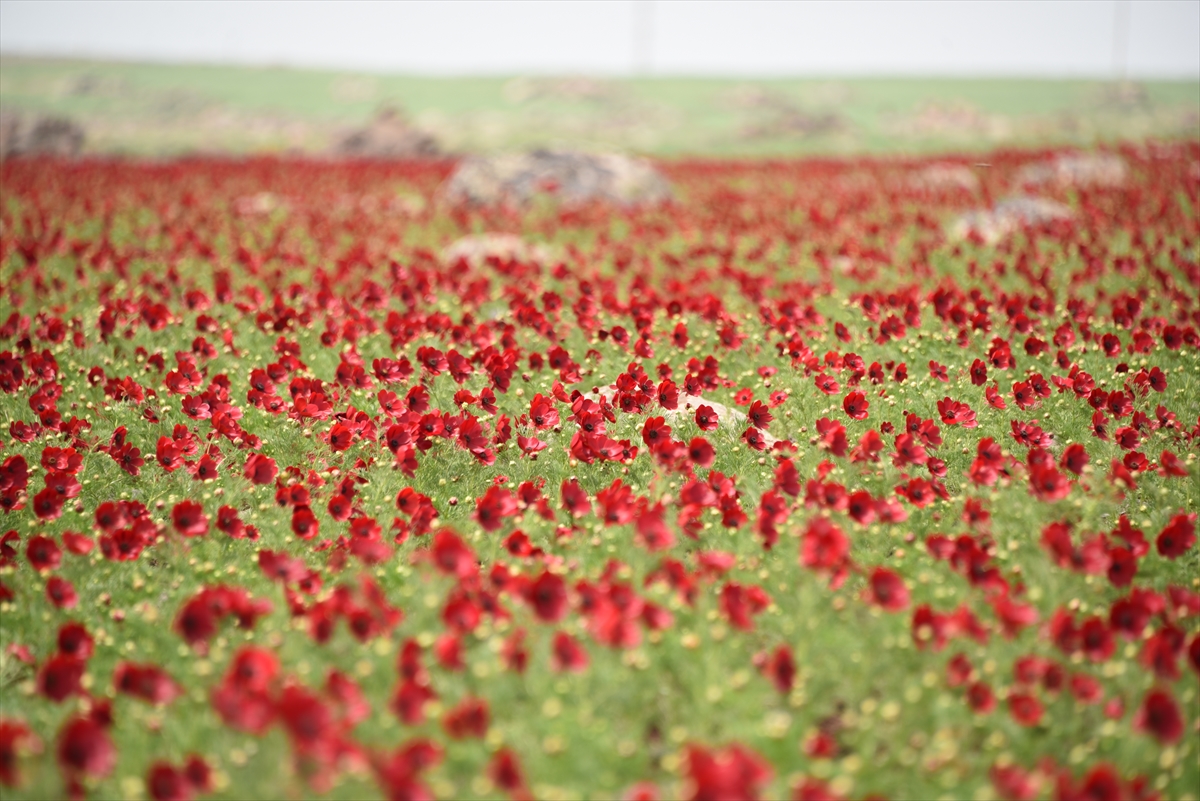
column 570, row 176
column 475, row 250
column 387, row 136
column 48, row 135
column 1008, row 216
column 1075, row 169
column 944, row 177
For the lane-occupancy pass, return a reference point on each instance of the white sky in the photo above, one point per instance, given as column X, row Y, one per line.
column 1049, row 38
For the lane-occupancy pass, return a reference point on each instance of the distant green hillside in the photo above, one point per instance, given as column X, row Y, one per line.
column 145, row 108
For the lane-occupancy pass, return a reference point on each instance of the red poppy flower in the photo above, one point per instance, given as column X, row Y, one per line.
column 1096, row 639
column 652, row 531
column 48, row 504
column 493, row 506
column 165, row 782
column 306, row 717
column 199, row 616
column 667, row 395
column 15, row 738
column 740, row 604
column 148, row 682
column 701, row 452
column 1119, row 404
column 1013, row 616
column 1122, row 567
column 780, row 668
column 548, row 596
column 409, row 700
column 229, row 522
column 953, row 412
column 409, row 501
column 1178, row 536
column 1024, row 395
column 84, row 748
column 919, row 492
column 397, row 437
column 470, row 718
column 980, row 697
column 1014, row 783
column 504, row 770
column 959, row 670
column 61, row 593
column 1161, row 652
column 860, row 506
column 1074, row 458
column 65, row 460
column 241, row 709
column 60, row 677
column 827, row 384
column 260, row 469
column 655, row 432
column 205, row 469
column 1086, row 689
column 831, row 436
column 1047, row 484
column 754, row 438
column 542, row 412
column 340, row 437
column 340, row 507
column 617, row 504
column 43, row 553
column 993, row 397
column 706, row 418
column 909, row 451
column 1159, row 716
column 189, row 519
column 304, row 523
column 432, row 360
column 567, row 654
column 1171, row 465
column 1025, row 709
column 888, row 590
column 855, row 405
column 169, row 454
column 760, row 414
column 452, row 555
column 731, row 772
column 253, row 669
column 787, row 478
column 75, row 641
column 531, row 445
column 823, row 545
column 821, row 745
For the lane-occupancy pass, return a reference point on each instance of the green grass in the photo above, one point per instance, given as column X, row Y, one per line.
column 154, row 108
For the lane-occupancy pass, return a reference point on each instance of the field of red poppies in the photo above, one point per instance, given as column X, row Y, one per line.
column 777, row 490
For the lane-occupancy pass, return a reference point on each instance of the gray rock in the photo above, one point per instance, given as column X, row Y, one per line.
column 1075, row 169
column 570, row 176
column 1008, row 216
column 387, row 136
column 476, row 249
column 944, row 177
column 22, row 135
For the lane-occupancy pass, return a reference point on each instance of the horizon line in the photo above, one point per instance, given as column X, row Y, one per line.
column 599, row 74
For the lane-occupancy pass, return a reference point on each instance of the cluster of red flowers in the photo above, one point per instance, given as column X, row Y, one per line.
column 661, row 439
